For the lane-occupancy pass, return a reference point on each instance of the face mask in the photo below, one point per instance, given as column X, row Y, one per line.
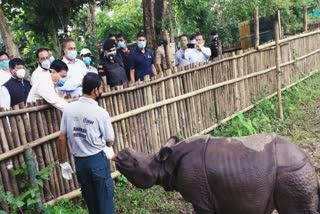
column 121, row 45
column 87, row 60
column 99, row 96
column 193, row 41
column 51, row 59
column 71, row 54
column 21, row 73
column 183, row 43
column 46, row 64
column 141, row 44
column 61, row 82
column 4, row 65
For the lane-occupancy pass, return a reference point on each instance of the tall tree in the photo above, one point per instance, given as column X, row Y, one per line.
column 92, row 18
column 149, row 23
column 7, row 36
column 154, row 12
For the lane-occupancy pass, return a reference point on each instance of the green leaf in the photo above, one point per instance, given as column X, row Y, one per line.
column 39, row 182
column 20, row 204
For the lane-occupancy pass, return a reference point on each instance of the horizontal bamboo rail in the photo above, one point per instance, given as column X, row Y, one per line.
column 302, row 35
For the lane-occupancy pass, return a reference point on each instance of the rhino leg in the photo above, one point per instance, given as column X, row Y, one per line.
column 296, row 192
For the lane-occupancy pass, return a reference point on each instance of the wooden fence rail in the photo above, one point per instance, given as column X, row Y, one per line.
column 184, row 102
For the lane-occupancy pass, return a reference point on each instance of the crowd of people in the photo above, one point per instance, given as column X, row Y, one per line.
column 84, row 124
column 54, row 79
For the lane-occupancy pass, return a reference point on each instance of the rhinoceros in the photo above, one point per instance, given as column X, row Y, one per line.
column 242, row 175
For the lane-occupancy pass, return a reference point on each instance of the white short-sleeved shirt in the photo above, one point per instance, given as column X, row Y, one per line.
column 87, row 126
column 77, row 70
column 4, row 76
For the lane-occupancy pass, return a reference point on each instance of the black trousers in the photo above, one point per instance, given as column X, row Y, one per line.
column 93, row 174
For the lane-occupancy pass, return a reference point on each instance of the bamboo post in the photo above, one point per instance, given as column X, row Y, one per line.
column 278, row 62
column 237, row 85
column 256, row 27
column 167, row 50
column 305, row 18
column 31, row 165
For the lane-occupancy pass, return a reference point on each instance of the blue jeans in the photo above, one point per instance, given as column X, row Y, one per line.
column 93, row 173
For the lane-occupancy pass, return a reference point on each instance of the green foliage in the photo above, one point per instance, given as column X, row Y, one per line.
column 65, row 206
column 28, row 195
column 126, row 18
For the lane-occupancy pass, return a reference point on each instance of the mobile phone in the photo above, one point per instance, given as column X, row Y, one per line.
column 190, row 45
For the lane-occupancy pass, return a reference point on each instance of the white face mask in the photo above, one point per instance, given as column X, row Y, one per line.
column 46, row 64
column 71, row 54
column 21, row 73
column 52, row 59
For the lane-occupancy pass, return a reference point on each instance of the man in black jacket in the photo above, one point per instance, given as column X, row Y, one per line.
column 112, row 66
column 16, row 89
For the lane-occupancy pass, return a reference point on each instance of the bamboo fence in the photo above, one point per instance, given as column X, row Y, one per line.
column 183, row 101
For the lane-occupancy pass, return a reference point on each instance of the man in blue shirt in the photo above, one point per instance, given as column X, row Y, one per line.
column 141, row 60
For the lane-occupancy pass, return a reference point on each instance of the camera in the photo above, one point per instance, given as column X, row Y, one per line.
column 191, row 45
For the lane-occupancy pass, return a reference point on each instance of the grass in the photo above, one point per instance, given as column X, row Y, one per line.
column 301, row 105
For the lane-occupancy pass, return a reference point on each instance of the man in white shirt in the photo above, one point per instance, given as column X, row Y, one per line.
column 45, row 86
column 43, row 60
column 183, row 55
column 77, row 69
column 5, row 74
column 199, row 52
column 85, row 55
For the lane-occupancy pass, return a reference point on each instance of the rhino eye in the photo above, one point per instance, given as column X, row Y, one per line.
column 135, row 163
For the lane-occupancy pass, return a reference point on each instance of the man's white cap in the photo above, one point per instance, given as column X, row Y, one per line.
column 85, row 51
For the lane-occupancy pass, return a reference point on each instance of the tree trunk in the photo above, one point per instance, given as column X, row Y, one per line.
column 92, row 19
column 149, row 25
column 171, row 21
column 159, row 17
column 7, row 36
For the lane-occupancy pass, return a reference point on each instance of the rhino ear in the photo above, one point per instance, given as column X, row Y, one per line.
column 164, row 153
column 172, row 141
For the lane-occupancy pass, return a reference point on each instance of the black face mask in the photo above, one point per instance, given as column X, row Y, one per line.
column 99, row 96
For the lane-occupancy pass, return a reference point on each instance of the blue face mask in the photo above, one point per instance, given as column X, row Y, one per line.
column 141, row 44
column 61, row 82
column 4, row 64
column 121, row 45
column 87, row 60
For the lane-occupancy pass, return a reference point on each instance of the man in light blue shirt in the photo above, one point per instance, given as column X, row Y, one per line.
column 89, row 130
column 200, row 53
column 183, row 55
